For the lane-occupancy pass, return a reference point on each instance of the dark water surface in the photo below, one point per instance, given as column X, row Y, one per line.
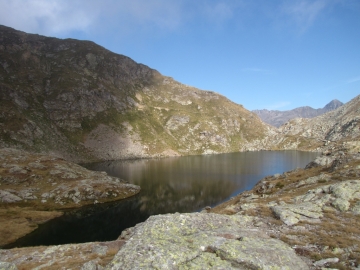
column 168, row 185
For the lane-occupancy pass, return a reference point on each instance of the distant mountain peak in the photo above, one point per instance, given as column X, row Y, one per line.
column 334, row 104
column 278, row 118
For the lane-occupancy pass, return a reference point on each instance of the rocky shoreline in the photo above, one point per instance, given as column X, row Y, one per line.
column 314, row 210
column 35, row 188
column 302, row 219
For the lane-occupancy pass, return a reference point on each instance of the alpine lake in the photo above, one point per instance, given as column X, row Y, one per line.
column 168, row 185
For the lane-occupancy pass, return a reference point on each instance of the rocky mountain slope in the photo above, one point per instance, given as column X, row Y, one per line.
column 316, row 134
column 340, row 124
column 277, row 118
column 82, row 102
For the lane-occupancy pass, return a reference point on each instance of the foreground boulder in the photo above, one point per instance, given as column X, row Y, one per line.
column 202, row 241
column 172, row 241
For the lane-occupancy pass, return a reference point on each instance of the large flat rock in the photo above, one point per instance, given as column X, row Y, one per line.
column 202, row 241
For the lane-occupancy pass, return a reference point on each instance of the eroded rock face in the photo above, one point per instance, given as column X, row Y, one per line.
column 202, row 241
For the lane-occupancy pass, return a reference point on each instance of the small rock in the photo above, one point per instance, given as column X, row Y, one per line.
column 326, row 261
column 7, row 197
column 356, row 208
column 101, row 250
column 247, row 206
column 17, row 169
column 91, row 265
column 36, row 165
column 341, row 204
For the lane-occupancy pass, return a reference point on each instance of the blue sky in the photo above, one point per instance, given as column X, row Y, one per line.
column 273, row 54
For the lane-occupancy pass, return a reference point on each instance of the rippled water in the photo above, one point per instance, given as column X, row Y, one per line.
column 168, row 185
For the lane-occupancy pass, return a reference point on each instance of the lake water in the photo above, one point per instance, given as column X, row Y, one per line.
column 168, row 185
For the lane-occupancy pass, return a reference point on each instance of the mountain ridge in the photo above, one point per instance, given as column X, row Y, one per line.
column 340, row 124
column 82, row 102
column 277, row 118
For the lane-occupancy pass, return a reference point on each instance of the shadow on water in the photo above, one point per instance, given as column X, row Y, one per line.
column 168, row 185
column 100, row 222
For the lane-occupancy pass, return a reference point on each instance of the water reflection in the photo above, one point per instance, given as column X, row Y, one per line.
column 179, row 184
column 186, row 184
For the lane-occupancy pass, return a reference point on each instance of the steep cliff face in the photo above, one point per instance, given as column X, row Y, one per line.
column 278, row 118
column 83, row 102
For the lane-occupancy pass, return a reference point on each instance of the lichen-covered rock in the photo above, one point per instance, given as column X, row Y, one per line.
column 7, row 266
column 341, row 204
column 83, row 256
column 322, row 161
column 91, row 265
column 291, row 214
column 310, row 206
column 356, row 208
column 203, row 241
column 346, row 190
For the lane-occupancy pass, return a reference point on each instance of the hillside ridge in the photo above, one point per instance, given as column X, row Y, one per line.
column 82, row 102
column 277, row 118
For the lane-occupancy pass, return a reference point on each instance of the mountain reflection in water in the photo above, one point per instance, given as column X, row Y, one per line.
column 168, row 185
column 187, row 184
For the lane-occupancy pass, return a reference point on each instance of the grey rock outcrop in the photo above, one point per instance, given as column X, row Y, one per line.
column 7, row 197
column 34, row 186
column 48, row 180
column 309, row 207
column 202, row 241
